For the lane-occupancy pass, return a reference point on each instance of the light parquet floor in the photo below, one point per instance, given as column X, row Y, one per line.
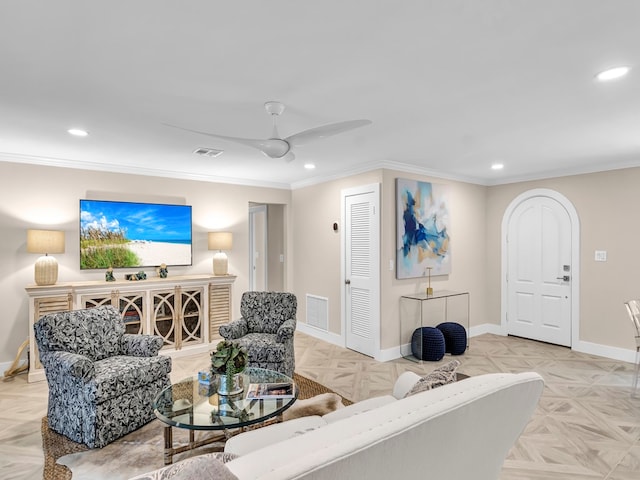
column 586, row 425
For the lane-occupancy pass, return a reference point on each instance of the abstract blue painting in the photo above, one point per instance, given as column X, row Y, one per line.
column 423, row 222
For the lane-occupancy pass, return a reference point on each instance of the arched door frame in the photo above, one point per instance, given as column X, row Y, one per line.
column 575, row 256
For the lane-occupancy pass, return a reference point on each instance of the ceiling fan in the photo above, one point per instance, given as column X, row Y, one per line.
column 278, row 147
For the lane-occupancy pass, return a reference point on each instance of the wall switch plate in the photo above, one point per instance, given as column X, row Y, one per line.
column 601, row 256
column 391, row 265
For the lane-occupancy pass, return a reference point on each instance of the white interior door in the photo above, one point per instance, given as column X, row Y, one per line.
column 362, row 271
column 539, row 271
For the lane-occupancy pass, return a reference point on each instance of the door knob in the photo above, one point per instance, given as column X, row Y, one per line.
column 566, row 278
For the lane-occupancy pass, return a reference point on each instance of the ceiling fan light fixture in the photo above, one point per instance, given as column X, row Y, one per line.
column 275, row 148
column 612, row 73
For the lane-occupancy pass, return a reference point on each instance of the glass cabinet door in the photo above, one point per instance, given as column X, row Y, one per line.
column 164, row 316
column 191, row 316
column 177, row 316
column 97, row 300
column 130, row 305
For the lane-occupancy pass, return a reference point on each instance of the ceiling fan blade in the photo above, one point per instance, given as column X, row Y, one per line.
column 289, row 157
column 324, row 131
column 250, row 142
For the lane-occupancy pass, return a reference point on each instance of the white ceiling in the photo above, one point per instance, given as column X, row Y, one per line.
column 451, row 86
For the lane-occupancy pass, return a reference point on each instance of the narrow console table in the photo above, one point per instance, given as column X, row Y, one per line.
column 186, row 311
column 421, row 310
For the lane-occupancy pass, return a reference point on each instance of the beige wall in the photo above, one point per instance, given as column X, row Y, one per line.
column 607, row 203
column 317, row 248
column 316, row 253
column 608, row 207
column 468, row 267
column 34, row 196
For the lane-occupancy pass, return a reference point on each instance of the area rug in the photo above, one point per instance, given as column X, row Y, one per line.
column 138, row 452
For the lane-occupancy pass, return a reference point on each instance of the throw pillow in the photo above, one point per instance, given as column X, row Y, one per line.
column 440, row 376
column 203, row 467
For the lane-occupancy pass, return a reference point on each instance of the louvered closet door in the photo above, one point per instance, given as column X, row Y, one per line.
column 219, row 309
column 43, row 306
column 361, row 298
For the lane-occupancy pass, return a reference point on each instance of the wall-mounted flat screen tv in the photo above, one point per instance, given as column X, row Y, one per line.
column 134, row 235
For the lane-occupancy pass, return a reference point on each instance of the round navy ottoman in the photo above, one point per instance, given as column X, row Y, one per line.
column 455, row 337
column 427, row 343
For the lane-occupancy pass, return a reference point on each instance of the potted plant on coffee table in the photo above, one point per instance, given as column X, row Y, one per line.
column 228, row 361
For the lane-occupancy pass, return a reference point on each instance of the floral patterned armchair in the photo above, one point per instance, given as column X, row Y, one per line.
column 266, row 330
column 102, row 381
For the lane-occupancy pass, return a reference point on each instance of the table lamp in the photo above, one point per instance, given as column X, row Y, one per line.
column 429, row 289
column 45, row 242
column 220, row 241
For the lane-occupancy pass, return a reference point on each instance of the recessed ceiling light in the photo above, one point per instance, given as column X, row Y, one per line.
column 497, row 166
column 309, row 166
column 77, row 132
column 613, row 73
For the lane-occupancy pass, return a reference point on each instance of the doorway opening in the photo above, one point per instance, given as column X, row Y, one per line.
column 266, row 247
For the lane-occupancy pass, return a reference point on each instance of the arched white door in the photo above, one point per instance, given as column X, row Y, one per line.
column 541, row 268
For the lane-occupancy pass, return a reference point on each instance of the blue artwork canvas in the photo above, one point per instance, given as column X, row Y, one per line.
column 423, row 221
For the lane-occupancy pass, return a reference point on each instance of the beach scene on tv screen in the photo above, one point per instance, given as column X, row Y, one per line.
column 124, row 234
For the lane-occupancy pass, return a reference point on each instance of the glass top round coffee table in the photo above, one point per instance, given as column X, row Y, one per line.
column 193, row 405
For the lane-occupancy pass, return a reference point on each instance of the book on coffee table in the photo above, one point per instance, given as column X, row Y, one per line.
column 269, row 390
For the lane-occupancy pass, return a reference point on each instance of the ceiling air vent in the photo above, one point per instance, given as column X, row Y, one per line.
column 207, row 152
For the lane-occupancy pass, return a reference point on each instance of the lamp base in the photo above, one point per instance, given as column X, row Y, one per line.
column 46, row 270
column 220, row 264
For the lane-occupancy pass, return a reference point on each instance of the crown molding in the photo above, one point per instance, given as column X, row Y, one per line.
column 148, row 172
column 359, row 169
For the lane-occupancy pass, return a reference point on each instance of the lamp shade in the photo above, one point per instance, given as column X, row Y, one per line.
column 220, row 240
column 45, row 241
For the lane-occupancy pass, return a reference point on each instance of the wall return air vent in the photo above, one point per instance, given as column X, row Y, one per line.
column 318, row 312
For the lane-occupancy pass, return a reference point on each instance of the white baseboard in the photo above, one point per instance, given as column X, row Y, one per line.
column 390, row 354
column 315, row 332
column 4, row 366
column 404, row 350
column 486, row 328
column 606, row 351
column 614, row 353
column 192, row 350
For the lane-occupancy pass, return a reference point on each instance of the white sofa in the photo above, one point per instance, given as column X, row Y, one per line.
column 459, row 431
